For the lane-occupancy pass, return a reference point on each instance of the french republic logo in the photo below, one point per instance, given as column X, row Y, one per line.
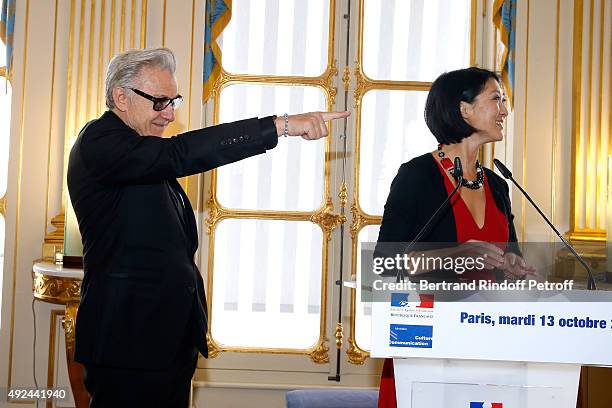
column 426, row 301
column 475, row 404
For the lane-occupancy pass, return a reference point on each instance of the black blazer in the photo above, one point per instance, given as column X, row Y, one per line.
column 142, row 292
column 416, row 193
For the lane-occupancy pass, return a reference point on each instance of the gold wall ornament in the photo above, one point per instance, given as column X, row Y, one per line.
column 320, row 353
column 357, row 220
column 3, row 206
column 215, row 213
column 213, row 348
column 356, row 355
column 56, row 289
column 221, row 80
column 343, row 195
column 360, row 87
column 346, row 78
column 327, row 219
column 361, row 219
column 339, row 335
column 325, row 81
column 328, row 82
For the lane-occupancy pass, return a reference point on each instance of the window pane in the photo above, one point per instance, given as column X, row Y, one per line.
column 392, row 132
column 288, row 178
column 266, row 286
column 363, row 311
column 5, row 128
column 274, row 37
column 415, row 40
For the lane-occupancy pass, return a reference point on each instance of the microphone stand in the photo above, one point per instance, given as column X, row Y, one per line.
column 458, row 174
column 508, row 175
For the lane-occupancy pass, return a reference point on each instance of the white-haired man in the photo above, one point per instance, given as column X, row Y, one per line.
column 142, row 317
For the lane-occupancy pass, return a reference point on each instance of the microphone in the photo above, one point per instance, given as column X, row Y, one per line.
column 458, row 174
column 508, row 175
column 458, row 170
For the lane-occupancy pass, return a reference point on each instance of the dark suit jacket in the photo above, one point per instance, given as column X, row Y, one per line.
column 416, row 193
column 142, row 292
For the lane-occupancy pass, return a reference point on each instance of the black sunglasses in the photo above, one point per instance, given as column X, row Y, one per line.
column 159, row 104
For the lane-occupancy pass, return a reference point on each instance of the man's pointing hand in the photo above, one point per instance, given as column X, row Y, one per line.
column 310, row 126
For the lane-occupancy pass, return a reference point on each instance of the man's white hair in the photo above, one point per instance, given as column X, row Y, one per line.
column 124, row 68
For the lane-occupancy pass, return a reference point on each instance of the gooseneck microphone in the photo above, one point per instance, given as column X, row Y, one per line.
column 458, row 175
column 508, row 175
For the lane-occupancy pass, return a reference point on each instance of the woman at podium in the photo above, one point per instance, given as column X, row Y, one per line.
column 464, row 110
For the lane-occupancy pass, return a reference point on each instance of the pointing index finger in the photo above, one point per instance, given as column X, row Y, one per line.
column 334, row 115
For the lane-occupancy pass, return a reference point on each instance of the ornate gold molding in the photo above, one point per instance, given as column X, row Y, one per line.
column 343, row 195
column 587, row 235
column 360, row 87
column 327, row 219
column 356, row 355
column 215, row 212
column 346, row 78
column 55, row 289
column 320, row 353
column 324, row 81
column 332, row 91
column 361, row 219
column 213, row 348
column 220, row 82
column 357, row 222
column 3, row 206
column 339, row 335
column 365, row 84
column 68, row 322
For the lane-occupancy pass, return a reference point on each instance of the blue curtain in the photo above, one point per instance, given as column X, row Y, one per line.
column 504, row 18
column 7, row 28
column 217, row 15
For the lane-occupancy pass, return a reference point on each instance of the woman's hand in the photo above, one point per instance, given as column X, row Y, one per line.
column 484, row 253
column 515, row 267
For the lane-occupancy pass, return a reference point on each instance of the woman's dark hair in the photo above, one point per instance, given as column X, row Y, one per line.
column 442, row 109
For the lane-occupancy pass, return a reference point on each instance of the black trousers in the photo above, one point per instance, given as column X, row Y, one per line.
column 113, row 387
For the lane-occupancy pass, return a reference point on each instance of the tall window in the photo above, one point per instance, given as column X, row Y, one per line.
column 403, row 47
column 5, row 120
column 273, row 255
column 269, row 269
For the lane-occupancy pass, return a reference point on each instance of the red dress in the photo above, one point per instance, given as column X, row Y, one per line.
column 495, row 229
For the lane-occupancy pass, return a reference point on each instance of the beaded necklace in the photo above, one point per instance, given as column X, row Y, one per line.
column 448, row 165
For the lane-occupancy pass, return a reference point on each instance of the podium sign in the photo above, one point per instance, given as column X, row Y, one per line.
column 473, row 354
column 416, row 325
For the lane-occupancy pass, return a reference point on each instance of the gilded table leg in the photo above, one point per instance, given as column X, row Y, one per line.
column 75, row 370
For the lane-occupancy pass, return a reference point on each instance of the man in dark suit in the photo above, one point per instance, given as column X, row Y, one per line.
column 142, row 317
